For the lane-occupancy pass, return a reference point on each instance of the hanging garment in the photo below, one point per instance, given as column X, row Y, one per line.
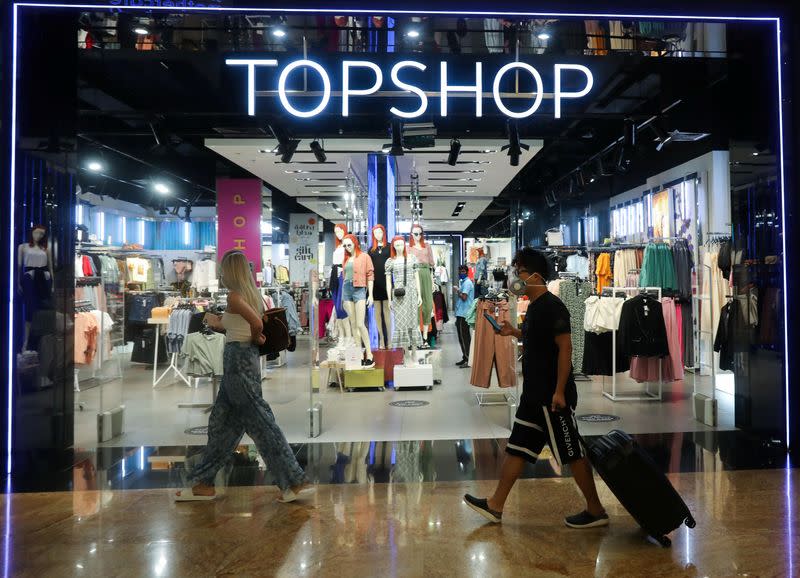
column 440, row 309
column 336, row 284
column 441, row 275
column 603, row 271
column 379, row 256
column 491, row 350
column 658, row 268
column 204, row 353
column 405, row 309
column 554, row 287
column 597, row 36
column 177, row 329
column 598, row 353
column 579, row 265
column 723, row 342
column 282, row 274
column 426, row 288
column 670, row 367
column 642, row 332
column 104, row 325
column 325, row 313
column 602, row 314
column 624, row 263
column 715, row 287
column 574, row 294
column 182, row 267
column 292, row 319
column 621, row 37
column 493, row 35
column 86, row 334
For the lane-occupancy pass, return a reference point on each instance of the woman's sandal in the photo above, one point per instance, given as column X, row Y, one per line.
column 188, row 495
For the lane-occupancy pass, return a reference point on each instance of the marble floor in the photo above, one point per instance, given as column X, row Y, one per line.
column 152, row 416
column 747, row 525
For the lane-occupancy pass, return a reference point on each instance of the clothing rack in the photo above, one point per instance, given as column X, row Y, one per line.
column 646, row 395
column 173, row 359
column 615, row 247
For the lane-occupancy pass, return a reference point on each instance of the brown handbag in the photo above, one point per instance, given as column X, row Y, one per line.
column 276, row 331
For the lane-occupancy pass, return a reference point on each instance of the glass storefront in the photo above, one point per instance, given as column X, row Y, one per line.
column 150, row 142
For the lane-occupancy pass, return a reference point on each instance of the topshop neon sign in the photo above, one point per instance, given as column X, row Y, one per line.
column 445, row 88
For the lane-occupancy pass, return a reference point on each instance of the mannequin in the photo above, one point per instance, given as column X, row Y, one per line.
column 379, row 253
column 35, row 276
column 358, row 280
column 424, row 255
column 342, row 325
column 401, row 271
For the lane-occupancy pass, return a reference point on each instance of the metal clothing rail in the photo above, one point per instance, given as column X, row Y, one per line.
column 646, row 395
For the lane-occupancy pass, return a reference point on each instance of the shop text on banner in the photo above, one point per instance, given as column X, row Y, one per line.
column 303, row 245
column 239, row 218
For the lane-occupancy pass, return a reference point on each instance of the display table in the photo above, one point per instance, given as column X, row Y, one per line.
column 387, row 359
column 413, row 376
column 364, row 379
column 432, row 357
column 337, row 367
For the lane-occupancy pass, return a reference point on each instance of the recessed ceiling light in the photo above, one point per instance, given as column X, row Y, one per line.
column 543, row 36
column 141, row 30
column 161, row 188
column 95, row 166
column 279, row 32
column 413, row 33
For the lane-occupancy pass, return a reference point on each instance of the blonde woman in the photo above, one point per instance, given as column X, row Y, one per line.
column 240, row 407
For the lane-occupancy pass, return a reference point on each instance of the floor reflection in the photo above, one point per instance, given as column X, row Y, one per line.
column 746, row 526
column 387, row 462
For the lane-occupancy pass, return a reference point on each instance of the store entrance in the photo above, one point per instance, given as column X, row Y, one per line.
column 358, row 201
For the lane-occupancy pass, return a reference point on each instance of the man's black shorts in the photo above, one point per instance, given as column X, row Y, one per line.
column 537, row 425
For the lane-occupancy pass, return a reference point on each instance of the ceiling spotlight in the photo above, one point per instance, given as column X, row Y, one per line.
column 629, row 134
column 161, row 188
column 455, row 149
column 601, row 169
column 755, row 153
column 665, row 141
column 286, row 146
column 543, row 35
column 318, row 151
column 514, row 145
column 142, row 31
column 580, row 179
column 279, row 32
column 287, row 150
column 622, row 160
column 413, row 33
column 592, row 179
column 95, row 166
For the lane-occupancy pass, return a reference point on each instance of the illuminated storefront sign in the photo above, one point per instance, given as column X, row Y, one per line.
column 401, row 80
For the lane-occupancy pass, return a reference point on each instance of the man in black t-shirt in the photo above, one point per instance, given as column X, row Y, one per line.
column 546, row 410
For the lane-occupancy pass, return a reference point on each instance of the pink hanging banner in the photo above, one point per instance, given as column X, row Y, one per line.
column 239, row 218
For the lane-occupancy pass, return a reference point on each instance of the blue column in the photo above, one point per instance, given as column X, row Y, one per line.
column 382, row 183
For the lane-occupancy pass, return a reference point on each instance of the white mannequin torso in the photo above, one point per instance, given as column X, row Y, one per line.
column 338, row 255
column 33, row 256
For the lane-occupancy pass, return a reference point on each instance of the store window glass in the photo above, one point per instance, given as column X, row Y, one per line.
column 121, row 217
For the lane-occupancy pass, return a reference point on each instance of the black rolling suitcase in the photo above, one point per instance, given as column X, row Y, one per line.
column 639, row 485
